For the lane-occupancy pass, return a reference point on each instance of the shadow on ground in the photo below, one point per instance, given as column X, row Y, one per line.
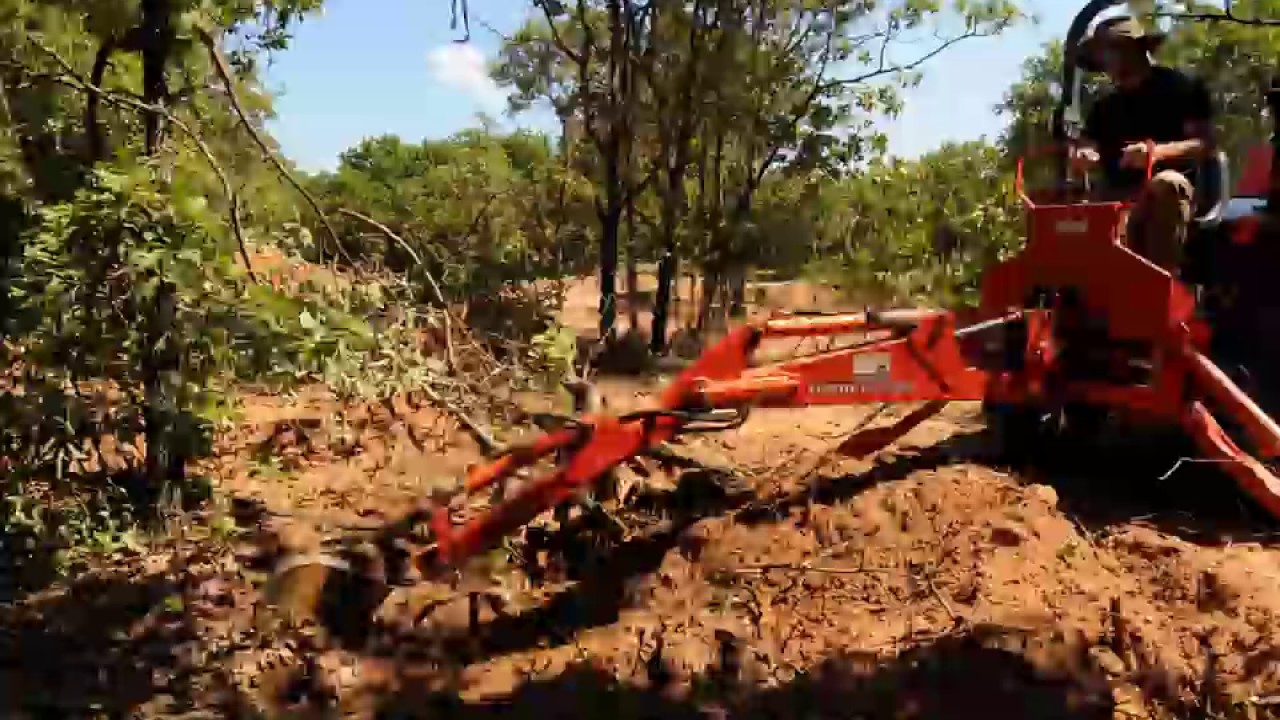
column 1154, row 478
column 962, row 676
column 1133, row 475
column 103, row 646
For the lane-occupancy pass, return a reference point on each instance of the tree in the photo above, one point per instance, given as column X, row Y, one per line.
column 1237, row 61
column 913, row 231
column 481, row 214
column 113, row 180
column 581, row 62
column 734, row 89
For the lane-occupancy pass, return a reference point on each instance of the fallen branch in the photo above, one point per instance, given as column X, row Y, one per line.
column 431, row 280
column 942, row 599
column 224, row 72
column 805, row 568
column 487, row 444
column 683, row 462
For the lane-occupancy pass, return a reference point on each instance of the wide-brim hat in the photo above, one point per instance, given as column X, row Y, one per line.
column 1114, row 32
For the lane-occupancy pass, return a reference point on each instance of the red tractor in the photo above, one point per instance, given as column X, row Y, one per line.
column 1075, row 328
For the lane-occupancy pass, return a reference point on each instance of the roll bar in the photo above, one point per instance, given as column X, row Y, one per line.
column 1068, row 118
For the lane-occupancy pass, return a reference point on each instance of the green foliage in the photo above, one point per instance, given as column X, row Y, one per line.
column 1234, row 59
column 482, row 213
column 918, row 231
column 553, row 353
column 1237, row 61
column 128, row 318
column 479, row 215
column 95, row 269
column 95, row 265
column 699, row 122
column 737, row 135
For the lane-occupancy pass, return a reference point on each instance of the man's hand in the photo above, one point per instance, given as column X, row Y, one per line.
column 1135, row 156
column 1084, row 158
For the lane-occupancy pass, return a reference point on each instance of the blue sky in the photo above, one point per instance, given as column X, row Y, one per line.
column 368, row 67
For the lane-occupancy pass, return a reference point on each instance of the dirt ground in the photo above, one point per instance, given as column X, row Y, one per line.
column 774, row 579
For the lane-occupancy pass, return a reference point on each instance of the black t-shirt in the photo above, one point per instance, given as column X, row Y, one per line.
column 1160, row 110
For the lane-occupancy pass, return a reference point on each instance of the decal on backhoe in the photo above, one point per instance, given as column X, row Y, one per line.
column 872, row 364
column 872, row 375
column 875, row 386
column 1071, row 227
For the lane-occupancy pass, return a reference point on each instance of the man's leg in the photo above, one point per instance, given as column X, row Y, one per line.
column 1157, row 227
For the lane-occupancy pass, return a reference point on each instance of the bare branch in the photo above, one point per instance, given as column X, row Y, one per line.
column 431, row 280
column 70, row 79
column 556, row 38
column 224, row 72
column 799, row 114
column 480, row 216
column 482, row 437
column 466, row 19
column 1228, row 15
column 883, row 69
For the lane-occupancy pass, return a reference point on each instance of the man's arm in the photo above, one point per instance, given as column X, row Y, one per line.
column 1084, row 152
column 1200, row 140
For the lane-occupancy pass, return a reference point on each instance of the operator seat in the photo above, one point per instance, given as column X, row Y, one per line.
column 1212, row 191
column 1207, row 230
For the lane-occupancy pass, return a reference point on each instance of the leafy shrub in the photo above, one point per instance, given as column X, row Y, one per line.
column 127, row 278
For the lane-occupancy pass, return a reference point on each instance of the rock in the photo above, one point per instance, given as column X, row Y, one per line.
column 1045, row 494
column 1107, row 661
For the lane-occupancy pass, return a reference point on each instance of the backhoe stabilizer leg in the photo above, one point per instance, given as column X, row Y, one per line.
column 1249, row 473
column 1261, row 429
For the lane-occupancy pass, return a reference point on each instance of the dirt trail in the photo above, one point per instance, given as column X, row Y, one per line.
column 926, row 582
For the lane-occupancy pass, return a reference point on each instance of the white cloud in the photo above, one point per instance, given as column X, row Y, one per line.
column 462, row 67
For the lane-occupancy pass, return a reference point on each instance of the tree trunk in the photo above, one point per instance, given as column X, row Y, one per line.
column 738, row 291
column 678, row 125
column 158, row 39
column 614, row 142
column 610, row 221
column 633, row 272
column 165, row 462
column 12, row 221
column 691, row 314
column 711, row 280
column 667, row 275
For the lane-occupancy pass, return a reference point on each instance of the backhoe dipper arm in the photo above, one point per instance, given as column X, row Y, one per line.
column 921, row 359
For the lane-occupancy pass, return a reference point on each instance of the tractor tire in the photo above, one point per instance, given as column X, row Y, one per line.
column 1081, row 432
column 1083, row 426
column 1019, row 435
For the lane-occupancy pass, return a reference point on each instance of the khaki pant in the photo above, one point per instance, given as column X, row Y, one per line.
column 1158, row 223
